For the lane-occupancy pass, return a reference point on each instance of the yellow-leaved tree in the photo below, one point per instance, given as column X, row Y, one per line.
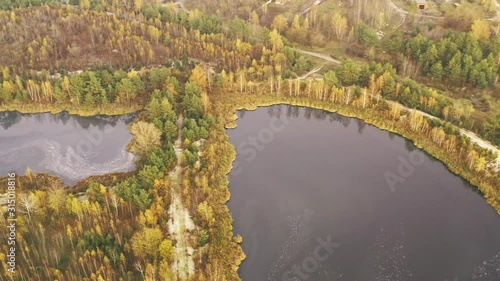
column 146, row 137
column 146, row 242
column 481, row 29
column 199, row 77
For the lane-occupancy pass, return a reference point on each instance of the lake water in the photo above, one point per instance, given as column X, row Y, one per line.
column 69, row 146
column 318, row 196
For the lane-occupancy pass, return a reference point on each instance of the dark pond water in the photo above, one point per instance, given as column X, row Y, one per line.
column 318, row 196
column 69, row 146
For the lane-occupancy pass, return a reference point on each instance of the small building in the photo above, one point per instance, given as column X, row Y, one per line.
column 422, row 4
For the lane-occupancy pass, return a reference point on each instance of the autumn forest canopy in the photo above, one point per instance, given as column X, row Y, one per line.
column 185, row 72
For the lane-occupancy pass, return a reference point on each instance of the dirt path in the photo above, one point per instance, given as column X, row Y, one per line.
column 321, row 56
column 403, row 13
column 400, row 11
column 180, row 221
column 497, row 17
column 181, row 4
column 311, row 72
column 474, row 138
column 183, row 7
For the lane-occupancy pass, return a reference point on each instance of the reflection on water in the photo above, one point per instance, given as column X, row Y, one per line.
column 72, row 147
column 435, row 226
column 9, row 118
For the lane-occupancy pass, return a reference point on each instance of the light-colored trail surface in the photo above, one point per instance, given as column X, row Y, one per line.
column 474, row 138
column 403, row 13
column 183, row 7
column 180, row 222
column 311, row 72
column 497, row 17
column 321, row 56
column 181, row 4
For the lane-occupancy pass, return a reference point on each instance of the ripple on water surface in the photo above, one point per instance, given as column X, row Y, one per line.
column 320, row 177
column 70, row 146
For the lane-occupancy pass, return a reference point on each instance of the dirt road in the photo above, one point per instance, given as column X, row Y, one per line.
column 180, row 222
column 403, row 13
column 474, row 138
column 321, row 56
column 311, row 72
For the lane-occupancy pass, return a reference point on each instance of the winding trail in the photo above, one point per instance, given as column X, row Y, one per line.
column 474, row 138
column 180, row 222
column 321, row 56
column 403, row 13
column 311, row 72
column 180, row 3
column 183, row 7
column 497, row 17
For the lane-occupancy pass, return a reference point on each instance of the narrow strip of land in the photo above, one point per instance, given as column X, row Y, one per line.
column 180, row 222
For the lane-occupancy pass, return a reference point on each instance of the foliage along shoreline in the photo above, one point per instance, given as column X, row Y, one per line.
column 231, row 124
column 434, row 151
column 30, row 108
column 194, row 161
column 224, row 106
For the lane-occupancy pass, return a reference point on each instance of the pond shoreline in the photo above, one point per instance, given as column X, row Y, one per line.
column 109, row 110
column 92, row 138
column 328, row 146
column 255, row 101
column 225, row 107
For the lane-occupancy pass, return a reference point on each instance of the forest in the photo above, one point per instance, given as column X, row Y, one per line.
column 122, row 230
column 455, row 55
column 453, row 63
column 187, row 73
